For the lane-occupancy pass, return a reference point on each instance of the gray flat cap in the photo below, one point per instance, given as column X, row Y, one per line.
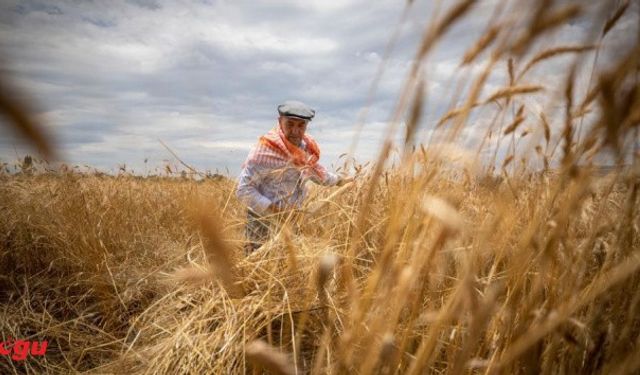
column 292, row 108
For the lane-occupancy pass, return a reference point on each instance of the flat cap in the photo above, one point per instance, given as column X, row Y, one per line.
column 292, row 108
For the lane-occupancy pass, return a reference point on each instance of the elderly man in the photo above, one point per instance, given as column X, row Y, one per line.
column 274, row 175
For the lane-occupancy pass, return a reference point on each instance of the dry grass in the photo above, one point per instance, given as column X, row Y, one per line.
column 434, row 265
column 534, row 271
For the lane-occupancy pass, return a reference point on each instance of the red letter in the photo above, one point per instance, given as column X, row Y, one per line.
column 38, row 348
column 20, row 350
column 3, row 350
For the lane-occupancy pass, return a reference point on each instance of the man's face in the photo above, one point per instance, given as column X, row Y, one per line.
column 293, row 128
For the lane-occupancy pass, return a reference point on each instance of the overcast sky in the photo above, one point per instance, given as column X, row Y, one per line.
column 112, row 78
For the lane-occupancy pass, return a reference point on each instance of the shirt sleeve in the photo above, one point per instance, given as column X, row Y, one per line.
column 330, row 179
column 248, row 193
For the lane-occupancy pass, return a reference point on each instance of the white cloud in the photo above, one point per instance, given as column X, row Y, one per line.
column 111, row 79
column 225, row 145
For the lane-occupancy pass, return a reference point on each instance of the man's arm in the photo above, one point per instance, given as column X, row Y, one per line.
column 248, row 194
column 331, row 179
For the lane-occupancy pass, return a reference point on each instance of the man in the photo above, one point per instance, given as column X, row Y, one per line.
column 274, row 175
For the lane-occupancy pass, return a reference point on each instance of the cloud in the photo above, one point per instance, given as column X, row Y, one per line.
column 206, row 76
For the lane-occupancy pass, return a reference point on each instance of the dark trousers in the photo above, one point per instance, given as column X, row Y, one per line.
column 256, row 232
column 259, row 228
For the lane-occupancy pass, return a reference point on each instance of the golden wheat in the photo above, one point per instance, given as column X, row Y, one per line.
column 436, row 264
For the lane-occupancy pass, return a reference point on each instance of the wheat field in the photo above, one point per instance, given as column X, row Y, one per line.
column 449, row 259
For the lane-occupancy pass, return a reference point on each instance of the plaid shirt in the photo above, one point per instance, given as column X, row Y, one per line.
column 260, row 184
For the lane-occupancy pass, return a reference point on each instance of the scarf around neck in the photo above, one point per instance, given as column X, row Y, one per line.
column 275, row 151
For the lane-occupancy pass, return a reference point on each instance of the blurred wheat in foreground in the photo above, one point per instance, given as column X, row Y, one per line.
column 525, row 261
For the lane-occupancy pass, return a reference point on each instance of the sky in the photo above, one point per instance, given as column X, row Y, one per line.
column 112, row 79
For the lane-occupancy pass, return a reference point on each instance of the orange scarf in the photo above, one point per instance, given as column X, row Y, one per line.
column 275, row 151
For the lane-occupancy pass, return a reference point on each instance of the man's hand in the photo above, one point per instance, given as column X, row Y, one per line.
column 274, row 208
column 344, row 180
